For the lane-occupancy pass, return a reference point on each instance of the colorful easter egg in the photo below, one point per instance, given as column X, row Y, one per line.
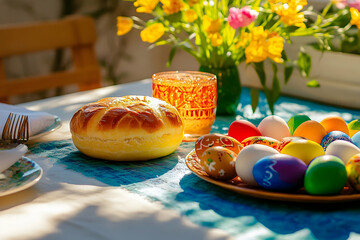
column 279, row 172
column 333, row 136
column 356, row 139
column 286, row 141
column 295, row 121
column 335, row 123
column 212, row 140
column 241, row 129
column 353, row 171
column 219, row 163
column 306, row 150
column 354, row 127
column 311, row 130
column 342, row 149
column 274, row 127
column 247, row 158
column 267, row 141
column 325, row 175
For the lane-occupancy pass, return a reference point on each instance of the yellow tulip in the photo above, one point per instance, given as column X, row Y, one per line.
column 190, row 15
column 244, row 40
column 216, row 39
column 289, row 11
column 256, row 51
column 211, row 26
column 172, row 6
column 193, row 2
column 145, row 6
column 355, row 17
column 152, row 33
column 275, row 46
column 124, row 25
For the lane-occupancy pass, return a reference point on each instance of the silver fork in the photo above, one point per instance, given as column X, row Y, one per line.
column 16, row 129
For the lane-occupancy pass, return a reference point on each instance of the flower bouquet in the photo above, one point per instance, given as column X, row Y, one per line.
column 222, row 34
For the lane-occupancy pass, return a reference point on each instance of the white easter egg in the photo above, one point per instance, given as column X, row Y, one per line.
column 247, row 158
column 275, row 127
column 342, row 149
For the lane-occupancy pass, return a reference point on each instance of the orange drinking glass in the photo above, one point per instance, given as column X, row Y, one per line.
column 193, row 93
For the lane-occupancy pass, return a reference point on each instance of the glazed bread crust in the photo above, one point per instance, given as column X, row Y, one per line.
column 129, row 128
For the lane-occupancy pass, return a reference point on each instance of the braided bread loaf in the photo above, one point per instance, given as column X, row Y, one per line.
column 128, row 128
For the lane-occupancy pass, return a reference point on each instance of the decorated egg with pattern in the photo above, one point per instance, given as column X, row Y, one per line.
column 241, row 129
column 279, row 172
column 267, row 141
column 353, row 171
column 219, row 163
column 212, row 140
column 333, row 136
column 285, row 141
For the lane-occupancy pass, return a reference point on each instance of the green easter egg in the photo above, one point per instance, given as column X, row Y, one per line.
column 325, row 175
column 295, row 121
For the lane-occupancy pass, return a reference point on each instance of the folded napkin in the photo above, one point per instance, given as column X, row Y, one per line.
column 10, row 156
column 38, row 121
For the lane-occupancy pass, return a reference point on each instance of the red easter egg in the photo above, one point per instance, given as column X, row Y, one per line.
column 241, row 129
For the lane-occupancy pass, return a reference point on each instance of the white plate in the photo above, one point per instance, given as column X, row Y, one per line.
column 57, row 124
column 20, row 176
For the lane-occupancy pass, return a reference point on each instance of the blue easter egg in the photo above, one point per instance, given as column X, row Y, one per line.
column 279, row 172
column 332, row 136
column 356, row 139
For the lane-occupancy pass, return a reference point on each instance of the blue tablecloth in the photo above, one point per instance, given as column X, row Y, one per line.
column 168, row 181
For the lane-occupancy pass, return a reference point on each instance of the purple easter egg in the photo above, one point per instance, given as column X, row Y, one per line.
column 333, row 136
column 279, row 172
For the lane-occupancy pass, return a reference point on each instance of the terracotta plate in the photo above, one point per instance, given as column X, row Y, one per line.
column 236, row 185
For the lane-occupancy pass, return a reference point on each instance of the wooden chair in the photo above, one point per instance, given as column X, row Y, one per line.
column 76, row 32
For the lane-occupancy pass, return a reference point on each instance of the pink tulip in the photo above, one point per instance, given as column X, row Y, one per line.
column 241, row 17
column 354, row 4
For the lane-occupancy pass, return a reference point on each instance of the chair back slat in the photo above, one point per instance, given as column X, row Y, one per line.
column 77, row 33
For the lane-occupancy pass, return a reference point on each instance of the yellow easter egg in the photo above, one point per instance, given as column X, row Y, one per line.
column 311, row 130
column 306, row 150
column 335, row 123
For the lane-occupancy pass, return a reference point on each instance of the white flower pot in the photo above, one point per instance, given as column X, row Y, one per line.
column 337, row 73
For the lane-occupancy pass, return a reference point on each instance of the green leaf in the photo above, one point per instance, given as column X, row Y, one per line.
column 163, row 42
column 287, row 73
column 171, row 56
column 304, row 63
column 276, row 87
column 259, row 68
column 313, row 84
column 254, row 93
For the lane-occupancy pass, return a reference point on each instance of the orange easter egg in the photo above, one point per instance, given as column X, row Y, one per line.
column 311, row 130
column 335, row 123
column 212, row 140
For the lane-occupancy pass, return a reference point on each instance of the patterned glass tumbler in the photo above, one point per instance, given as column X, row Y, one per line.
column 194, row 94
